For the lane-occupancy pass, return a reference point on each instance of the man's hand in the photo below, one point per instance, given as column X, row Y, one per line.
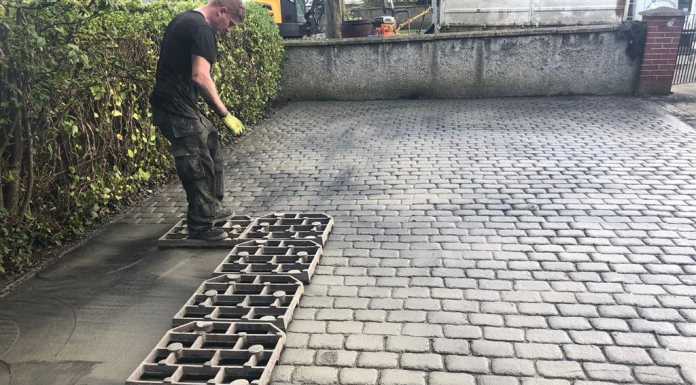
column 234, row 124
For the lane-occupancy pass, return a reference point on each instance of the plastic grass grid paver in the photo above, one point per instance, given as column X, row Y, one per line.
column 177, row 236
column 311, row 227
column 212, row 353
column 231, row 328
column 244, row 298
column 294, row 226
column 298, row 258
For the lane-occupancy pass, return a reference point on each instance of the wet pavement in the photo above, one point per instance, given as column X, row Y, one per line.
column 492, row 241
column 93, row 316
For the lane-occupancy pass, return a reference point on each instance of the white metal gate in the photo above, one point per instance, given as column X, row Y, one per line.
column 506, row 13
column 685, row 71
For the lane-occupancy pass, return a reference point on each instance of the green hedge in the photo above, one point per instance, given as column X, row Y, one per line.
column 76, row 136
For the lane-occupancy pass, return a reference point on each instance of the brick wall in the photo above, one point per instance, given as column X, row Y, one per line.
column 664, row 26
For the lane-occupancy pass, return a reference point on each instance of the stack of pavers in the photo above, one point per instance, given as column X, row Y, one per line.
column 232, row 329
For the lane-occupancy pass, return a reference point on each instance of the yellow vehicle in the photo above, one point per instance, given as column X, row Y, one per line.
column 292, row 18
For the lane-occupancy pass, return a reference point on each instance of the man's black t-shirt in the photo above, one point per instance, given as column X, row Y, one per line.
column 188, row 34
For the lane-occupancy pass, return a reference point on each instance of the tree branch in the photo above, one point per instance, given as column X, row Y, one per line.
column 28, row 169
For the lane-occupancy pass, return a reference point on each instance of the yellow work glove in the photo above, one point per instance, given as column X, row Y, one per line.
column 234, row 124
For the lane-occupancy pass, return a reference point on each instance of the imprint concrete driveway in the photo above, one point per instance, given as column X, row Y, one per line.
column 490, row 241
column 493, row 241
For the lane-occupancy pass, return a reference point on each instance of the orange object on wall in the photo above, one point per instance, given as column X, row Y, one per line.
column 386, row 30
column 385, row 26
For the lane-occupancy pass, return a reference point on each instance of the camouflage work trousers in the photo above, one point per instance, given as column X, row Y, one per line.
column 195, row 146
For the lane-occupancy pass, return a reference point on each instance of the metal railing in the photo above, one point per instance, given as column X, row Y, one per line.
column 685, row 71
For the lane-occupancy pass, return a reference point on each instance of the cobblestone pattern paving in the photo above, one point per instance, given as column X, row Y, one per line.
column 509, row 241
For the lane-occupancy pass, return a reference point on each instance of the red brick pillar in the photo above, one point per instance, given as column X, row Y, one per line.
column 664, row 26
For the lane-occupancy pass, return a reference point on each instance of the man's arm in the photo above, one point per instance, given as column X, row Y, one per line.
column 201, row 78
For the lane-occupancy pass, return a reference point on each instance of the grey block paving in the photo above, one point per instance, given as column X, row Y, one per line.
column 356, row 376
column 444, row 378
column 315, row 375
column 507, row 241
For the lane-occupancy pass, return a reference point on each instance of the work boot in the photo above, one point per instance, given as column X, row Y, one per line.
column 212, row 234
column 221, row 213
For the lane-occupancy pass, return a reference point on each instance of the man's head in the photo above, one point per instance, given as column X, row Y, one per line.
column 225, row 14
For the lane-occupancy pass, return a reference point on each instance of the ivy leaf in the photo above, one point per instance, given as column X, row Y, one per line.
column 143, row 175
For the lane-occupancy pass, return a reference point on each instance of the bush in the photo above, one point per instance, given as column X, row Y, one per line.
column 249, row 70
column 76, row 136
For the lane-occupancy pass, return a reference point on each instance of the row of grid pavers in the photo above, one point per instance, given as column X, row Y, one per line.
column 239, row 229
column 231, row 330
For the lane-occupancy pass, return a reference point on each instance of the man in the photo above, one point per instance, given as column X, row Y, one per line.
column 187, row 54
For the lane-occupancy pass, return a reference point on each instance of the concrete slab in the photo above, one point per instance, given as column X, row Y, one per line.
column 93, row 317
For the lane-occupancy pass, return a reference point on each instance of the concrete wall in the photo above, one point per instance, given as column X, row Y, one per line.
column 558, row 61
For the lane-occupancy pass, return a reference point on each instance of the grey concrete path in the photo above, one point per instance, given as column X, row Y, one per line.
column 503, row 241
column 92, row 317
